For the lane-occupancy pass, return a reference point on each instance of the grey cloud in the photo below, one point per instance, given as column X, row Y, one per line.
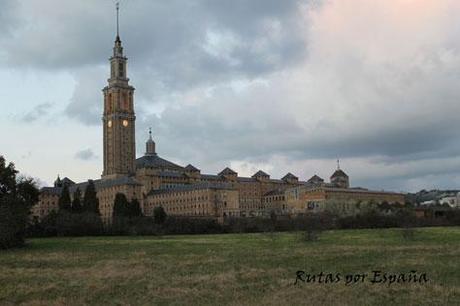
column 315, row 83
column 8, row 18
column 343, row 105
column 413, row 183
column 86, row 154
column 166, row 45
column 87, row 99
column 37, row 112
column 166, row 37
column 69, row 35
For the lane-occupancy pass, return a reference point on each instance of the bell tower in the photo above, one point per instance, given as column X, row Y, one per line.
column 118, row 118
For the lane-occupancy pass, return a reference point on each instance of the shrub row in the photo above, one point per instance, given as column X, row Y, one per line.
column 86, row 224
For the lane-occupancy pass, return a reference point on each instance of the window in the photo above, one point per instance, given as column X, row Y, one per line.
column 120, row 69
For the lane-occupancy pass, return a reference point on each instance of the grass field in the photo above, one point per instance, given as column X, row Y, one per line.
column 231, row 269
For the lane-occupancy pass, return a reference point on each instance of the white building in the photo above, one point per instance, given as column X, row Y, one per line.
column 451, row 201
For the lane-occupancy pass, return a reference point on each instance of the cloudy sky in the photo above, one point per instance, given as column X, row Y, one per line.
column 282, row 86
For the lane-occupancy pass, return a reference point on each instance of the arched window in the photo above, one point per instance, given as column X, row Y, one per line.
column 121, row 72
column 109, row 102
column 125, row 102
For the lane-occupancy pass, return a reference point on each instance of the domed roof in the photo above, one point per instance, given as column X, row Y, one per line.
column 155, row 161
column 339, row 173
column 150, row 140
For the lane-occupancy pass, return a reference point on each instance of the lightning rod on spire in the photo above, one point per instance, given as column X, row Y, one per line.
column 118, row 17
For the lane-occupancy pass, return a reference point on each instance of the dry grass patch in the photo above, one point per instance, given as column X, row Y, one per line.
column 244, row 269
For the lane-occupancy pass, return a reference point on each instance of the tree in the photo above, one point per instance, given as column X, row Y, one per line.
column 135, row 209
column 17, row 196
column 313, row 227
column 64, row 199
column 90, row 200
column 273, row 219
column 49, row 224
column 120, row 206
column 76, row 203
column 159, row 215
column 123, row 208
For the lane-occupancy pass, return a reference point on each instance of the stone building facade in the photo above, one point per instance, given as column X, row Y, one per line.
column 47, row 202
column 275, row 201
column 342, row 201
column 201, row 200
column 185, row 191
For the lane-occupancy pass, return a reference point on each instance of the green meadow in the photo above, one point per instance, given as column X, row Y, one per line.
column 232, row 269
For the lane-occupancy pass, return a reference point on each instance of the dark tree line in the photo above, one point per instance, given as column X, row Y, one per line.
column 127, row 219
column 81, row 216
column 123, row 208
column 77, row 217
column 89, row 203
column 17, row 196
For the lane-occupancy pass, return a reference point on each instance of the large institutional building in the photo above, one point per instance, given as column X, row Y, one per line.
column 185, row 191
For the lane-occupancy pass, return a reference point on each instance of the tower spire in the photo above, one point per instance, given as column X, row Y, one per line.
column 150, row 133
column 338, row 164
column 118, row 22
column 118, row 49
column 119, row 117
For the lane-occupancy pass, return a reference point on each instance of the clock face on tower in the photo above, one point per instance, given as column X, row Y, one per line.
column 109, row 124
column 125, row 123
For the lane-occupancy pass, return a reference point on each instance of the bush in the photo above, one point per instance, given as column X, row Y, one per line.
column 313, row 227
column 171, row 226
column 174, row 225
column 82, row 224
column 123, row 225
column 247, row 225
column 310, row 225
column 159, row 215
column 44, row 228
column 454, row 217
column 320, row 221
